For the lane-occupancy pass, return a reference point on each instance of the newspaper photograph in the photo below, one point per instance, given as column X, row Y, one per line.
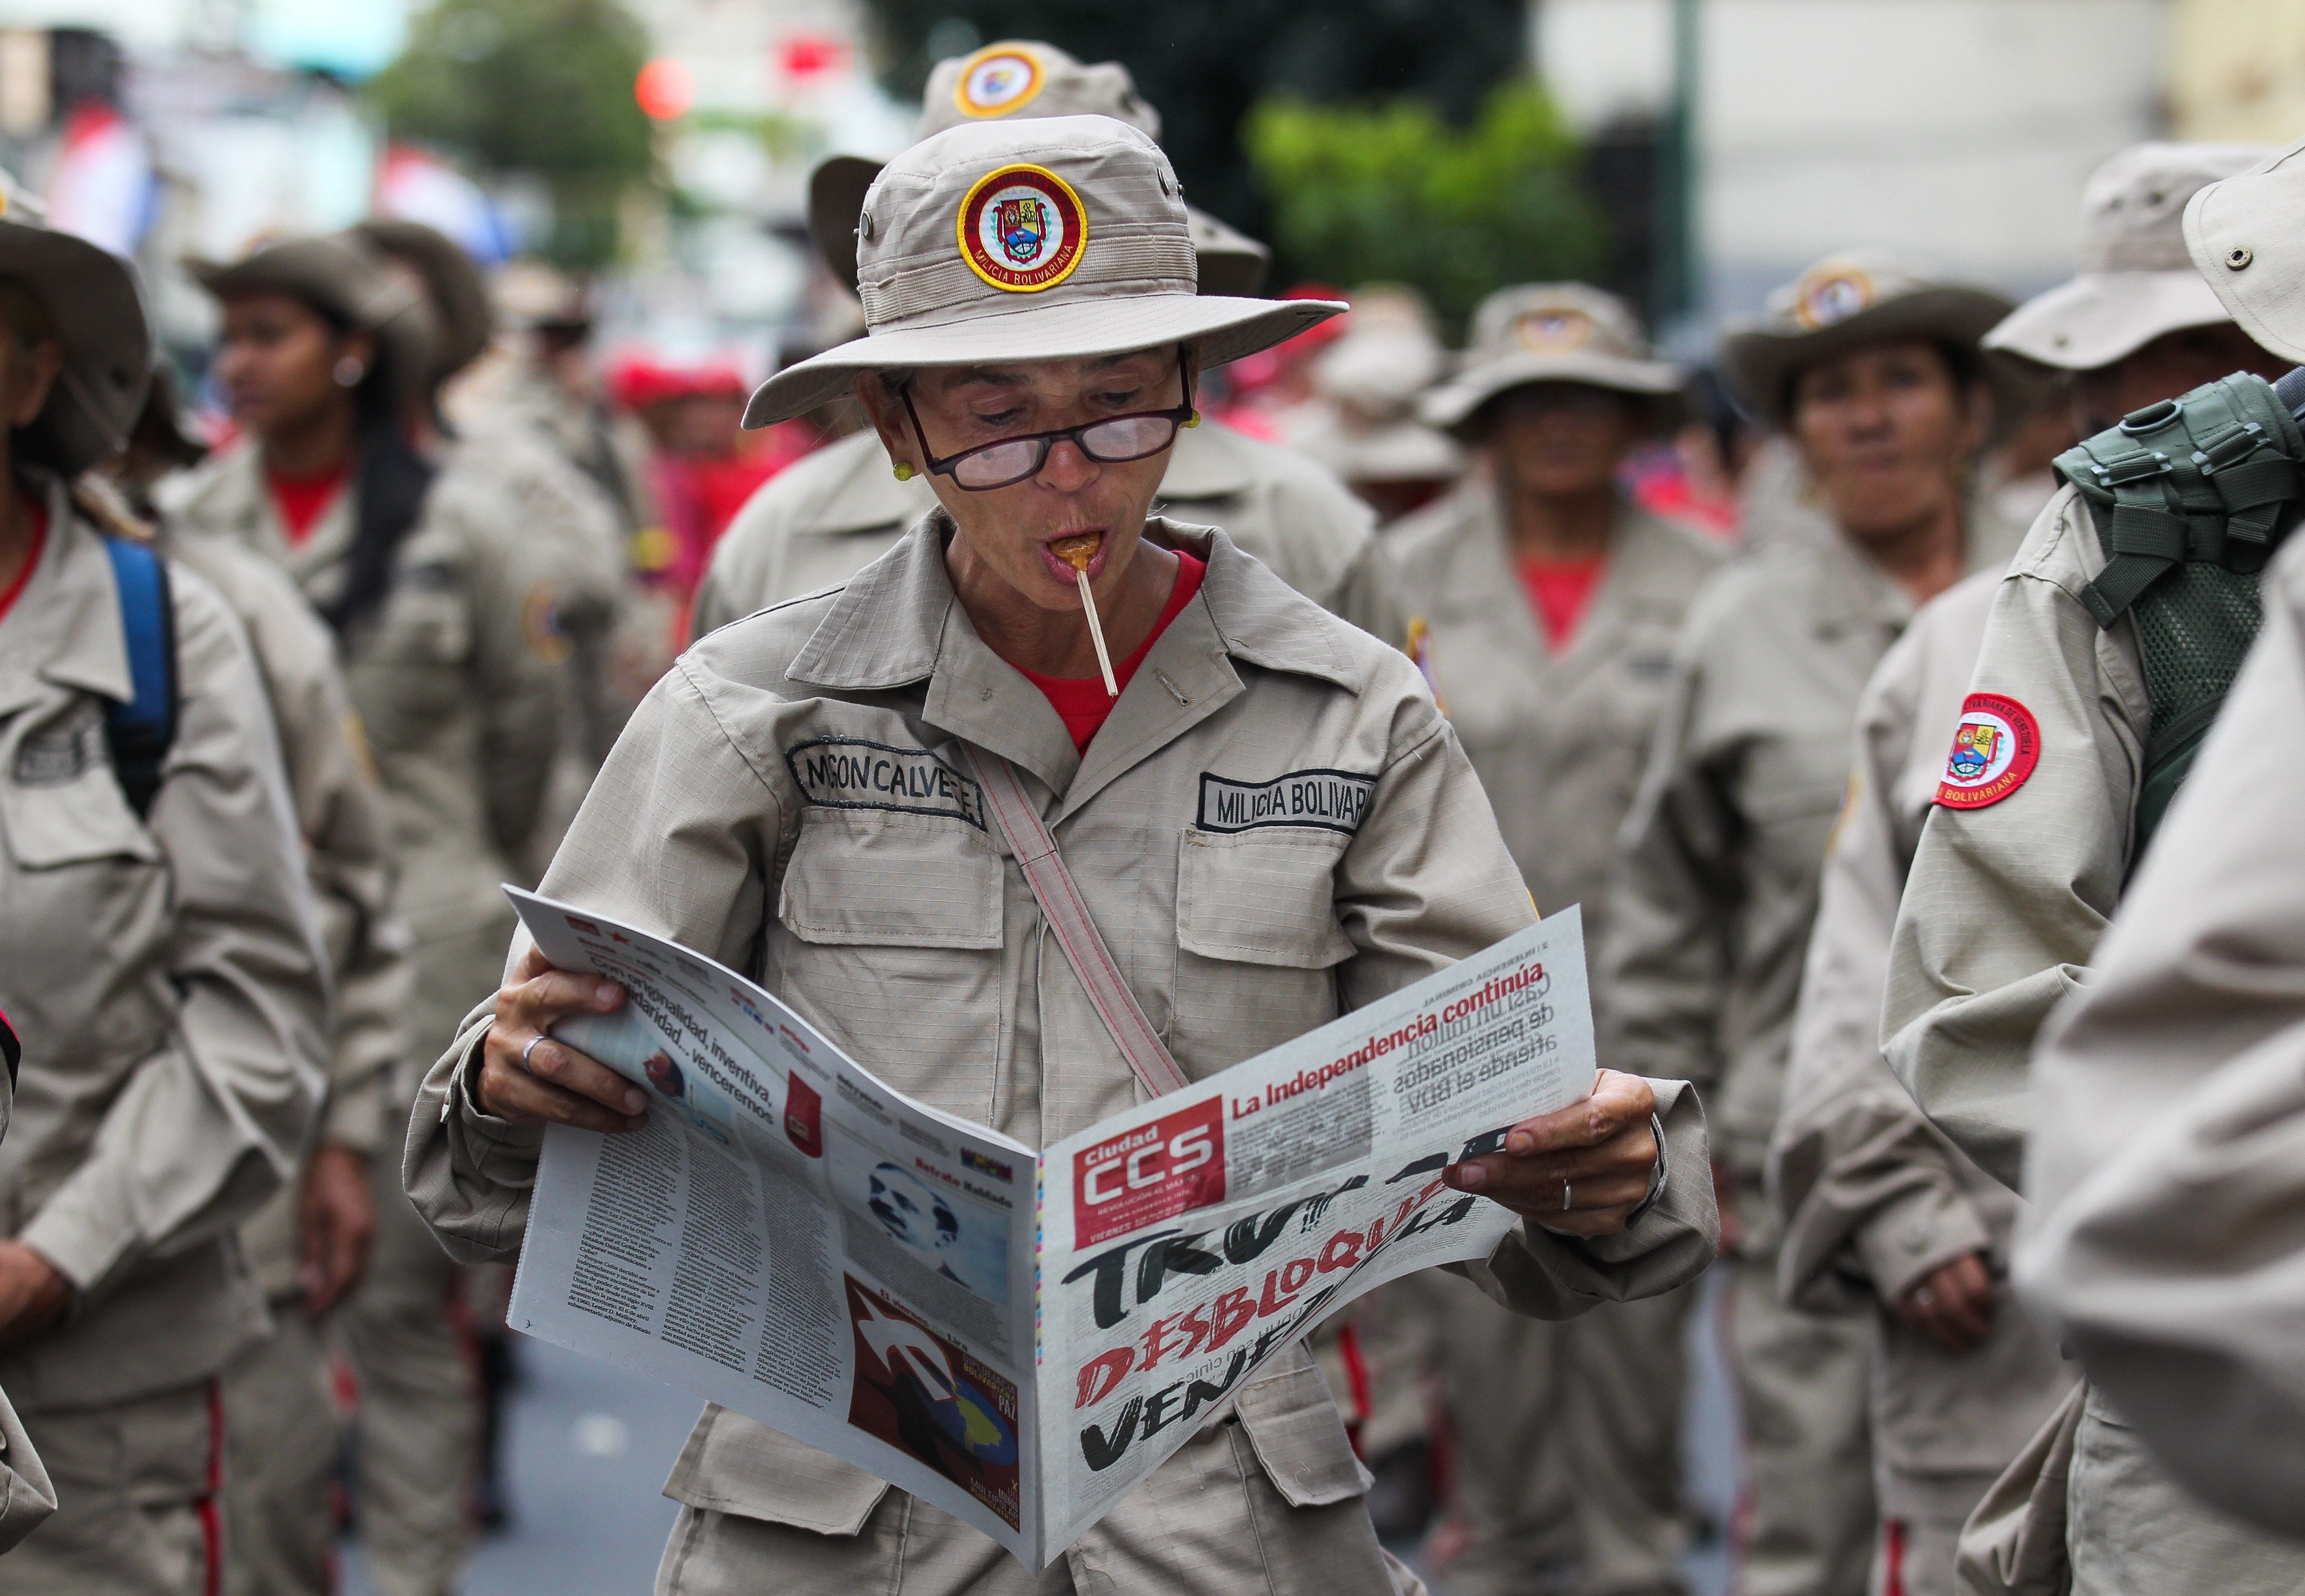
column 1014, row 1336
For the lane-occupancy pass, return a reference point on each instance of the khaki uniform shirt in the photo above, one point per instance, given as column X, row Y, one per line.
column 1710, row 909
column 340, row 814
column 1874, row 1198
column 708, row 825
column 1557, row 738
column 2164, row 1168
column 2005, row 903
column 27, row 1496
column 166, row 975
column 457, row 675
column 824, row 518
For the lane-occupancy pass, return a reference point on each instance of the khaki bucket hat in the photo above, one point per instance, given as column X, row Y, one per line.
column 1018, row 80
column 350, row 279
column 463, row 313
column 1360, row 423
column 1056, row 238
column 92, row 301
column 2246, row 235
column 2136, row 283
column 1553, row 332
column 1846, row 302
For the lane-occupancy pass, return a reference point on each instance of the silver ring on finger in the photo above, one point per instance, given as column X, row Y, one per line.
column 1568, row 1196
column 525, row 1051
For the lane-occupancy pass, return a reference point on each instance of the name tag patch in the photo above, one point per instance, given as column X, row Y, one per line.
column 1326, row 800
column 852, row 773
column 56, row 757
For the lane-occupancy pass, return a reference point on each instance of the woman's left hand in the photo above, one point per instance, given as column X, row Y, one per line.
column 1581, row 1170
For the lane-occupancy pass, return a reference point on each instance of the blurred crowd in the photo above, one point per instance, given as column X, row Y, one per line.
column 298, row 669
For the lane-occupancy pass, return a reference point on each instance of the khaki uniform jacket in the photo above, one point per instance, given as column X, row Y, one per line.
column 1557, row 740
column 824, row 518
column 457, row 677
column 1873, row 1197
column 1709, row 911
column 27, row 1496
column 2005, row 903
column 340, row 814
column 2165, row 1167
column 899, row 925
column 168, row 979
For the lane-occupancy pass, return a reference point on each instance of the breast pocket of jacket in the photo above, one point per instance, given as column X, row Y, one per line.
column 414, row 666
column 888, row 937
column 1257, row 940
column 1792, row 794
column 83, row 866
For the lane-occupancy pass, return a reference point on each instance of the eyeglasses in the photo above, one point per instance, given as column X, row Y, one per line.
column 1113, row 441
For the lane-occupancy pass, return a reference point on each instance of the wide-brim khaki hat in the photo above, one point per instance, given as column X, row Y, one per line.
column 348, row 279
column 1553, row 332
column 1394, row 451
column 1232, row 265
column 1001, row 242
column 93, row 303
column 463, row 313
column 2247, row 238
column 1848, row 301
column 2136, row 283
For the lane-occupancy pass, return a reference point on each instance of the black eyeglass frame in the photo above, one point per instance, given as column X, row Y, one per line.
column 1181, row 416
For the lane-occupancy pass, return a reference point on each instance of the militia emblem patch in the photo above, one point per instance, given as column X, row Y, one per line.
column 996, row 81
column 1832, row 294
column 1553, row 332
column 1022, row 229
column 1994, row 748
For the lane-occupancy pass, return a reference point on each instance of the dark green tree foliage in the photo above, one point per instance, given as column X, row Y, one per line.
column 1390, row 192
column 1205, row 62
column 540, row 87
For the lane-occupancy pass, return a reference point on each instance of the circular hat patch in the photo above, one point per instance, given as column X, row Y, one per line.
column 1022, row 229
column 1994, row 748
column 1831, row 295
column 996, row 81
column 1551, row 332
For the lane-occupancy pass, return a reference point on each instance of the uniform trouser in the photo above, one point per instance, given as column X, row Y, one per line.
column 1206, row 1523
column 2131, row 1530
column 137, row 1508
column 1921, row 1518
column 1567, row 1439
column 419, row 1426
column 282, row 1430
column 1806, row 1525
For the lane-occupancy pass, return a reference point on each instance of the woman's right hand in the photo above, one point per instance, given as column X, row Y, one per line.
column 552, row 1080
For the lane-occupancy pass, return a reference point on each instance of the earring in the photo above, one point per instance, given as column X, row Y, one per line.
column 349, row 372
column 904, row 471
column 1196, row 421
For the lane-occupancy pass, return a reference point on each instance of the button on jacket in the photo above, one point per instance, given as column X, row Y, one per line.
column 824, row 518
column 167, row 975
column 457, row 677
column 888, row 913
column 1874, row 1198
column 1557, row 738
column 2006, row 903
column 1709, row 913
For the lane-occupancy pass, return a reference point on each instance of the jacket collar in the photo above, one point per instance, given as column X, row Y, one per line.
column 65, row 627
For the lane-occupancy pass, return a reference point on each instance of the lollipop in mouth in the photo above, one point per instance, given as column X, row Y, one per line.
column 1078, row 551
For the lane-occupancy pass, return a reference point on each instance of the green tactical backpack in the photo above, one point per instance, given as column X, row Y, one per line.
column 2191, row 497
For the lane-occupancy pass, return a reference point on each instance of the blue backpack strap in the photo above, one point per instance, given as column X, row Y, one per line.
column 141, row 730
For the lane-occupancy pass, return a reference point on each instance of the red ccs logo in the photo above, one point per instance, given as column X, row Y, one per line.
column 804, row 1115
column 1147, row 1174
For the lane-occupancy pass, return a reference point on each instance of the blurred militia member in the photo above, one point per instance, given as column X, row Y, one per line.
column 1872, row 368
column 159, row 948
column 443, row 601
column 1553, row 602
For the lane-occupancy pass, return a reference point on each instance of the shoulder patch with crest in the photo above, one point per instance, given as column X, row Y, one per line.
column 1994, row 748
column 1321, row 800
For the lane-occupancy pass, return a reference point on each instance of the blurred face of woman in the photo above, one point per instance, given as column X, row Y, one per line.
column 277, row 364
column 1886, row 431
column 1562, row 439
column 1010, row 529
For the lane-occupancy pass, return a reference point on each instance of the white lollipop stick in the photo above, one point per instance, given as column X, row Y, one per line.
column 1096, row 634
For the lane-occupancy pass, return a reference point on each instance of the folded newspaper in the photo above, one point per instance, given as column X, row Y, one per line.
column 1016, row 1336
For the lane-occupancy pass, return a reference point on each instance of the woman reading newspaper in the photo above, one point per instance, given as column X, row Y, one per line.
column 1266, row 822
